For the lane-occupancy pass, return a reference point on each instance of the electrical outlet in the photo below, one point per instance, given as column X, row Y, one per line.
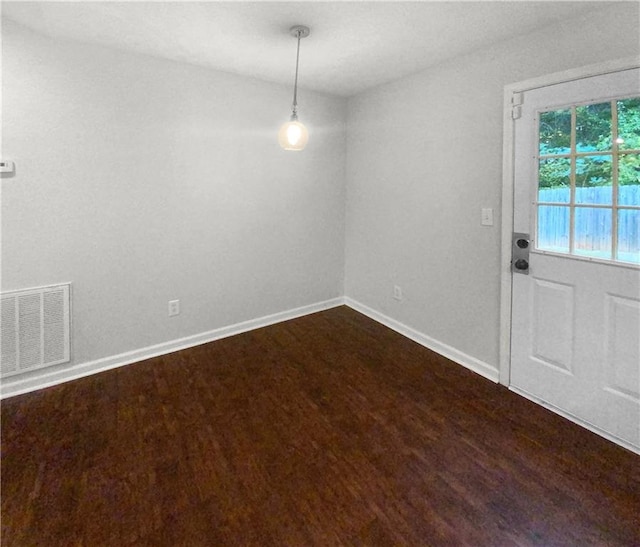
column 174, row 307
column 397, row 292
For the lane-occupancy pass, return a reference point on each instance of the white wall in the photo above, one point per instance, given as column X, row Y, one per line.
column 424, row 156
column 141, row 181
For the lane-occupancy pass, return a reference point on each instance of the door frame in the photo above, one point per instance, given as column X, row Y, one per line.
column 508, row 181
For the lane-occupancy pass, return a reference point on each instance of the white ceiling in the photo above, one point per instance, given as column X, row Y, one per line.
column 352, row 46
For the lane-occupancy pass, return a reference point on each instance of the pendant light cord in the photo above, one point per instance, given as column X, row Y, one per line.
column 294, row 115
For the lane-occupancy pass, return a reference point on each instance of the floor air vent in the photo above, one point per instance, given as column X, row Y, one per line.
column 35, row 329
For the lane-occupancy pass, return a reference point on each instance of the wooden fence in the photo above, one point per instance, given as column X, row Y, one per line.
column 592, row 225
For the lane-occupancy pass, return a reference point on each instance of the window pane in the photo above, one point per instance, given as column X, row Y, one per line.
column 629, row 124
column 592, row 232
column 629, row 179
column 593, row 127
column 555, row 132
column 629, row 235
column 553, row 228
column 593, row 179
column 554, row 180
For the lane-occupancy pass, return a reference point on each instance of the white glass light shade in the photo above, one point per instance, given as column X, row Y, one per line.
column 293, row 136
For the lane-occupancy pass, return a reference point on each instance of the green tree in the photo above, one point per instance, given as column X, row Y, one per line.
column 629, row 132
column 594, row 136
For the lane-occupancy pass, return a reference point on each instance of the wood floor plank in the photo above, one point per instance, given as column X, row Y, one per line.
column 326, row 430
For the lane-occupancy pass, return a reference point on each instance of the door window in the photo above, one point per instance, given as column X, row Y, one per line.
column 588, row 199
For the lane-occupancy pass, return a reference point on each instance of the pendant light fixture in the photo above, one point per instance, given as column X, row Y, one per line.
column 293, row 135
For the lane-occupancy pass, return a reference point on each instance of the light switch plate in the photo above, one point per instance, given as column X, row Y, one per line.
column 6, row 166
column 487, row 216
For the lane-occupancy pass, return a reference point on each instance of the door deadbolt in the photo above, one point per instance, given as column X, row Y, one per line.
column 520, row 253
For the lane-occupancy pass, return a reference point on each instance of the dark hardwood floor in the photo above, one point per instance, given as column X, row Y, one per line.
column 325, row 430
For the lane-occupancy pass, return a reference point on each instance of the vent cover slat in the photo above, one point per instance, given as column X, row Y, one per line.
column 54, row 321
column 29, row 330
column 35, row 328
column 9, row 340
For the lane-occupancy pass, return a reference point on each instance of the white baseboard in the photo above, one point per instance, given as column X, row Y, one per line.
column 18, row 385
column 455, row 355
column 47, row 378
column 576, row 420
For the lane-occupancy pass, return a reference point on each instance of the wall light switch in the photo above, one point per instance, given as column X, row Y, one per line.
column 7, row 166
column 487, row 217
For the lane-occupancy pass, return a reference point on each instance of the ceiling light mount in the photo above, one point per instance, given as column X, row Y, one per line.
column 299, row 31
column 293, row 135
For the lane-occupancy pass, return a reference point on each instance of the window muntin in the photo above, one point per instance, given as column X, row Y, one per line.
column 588, row 198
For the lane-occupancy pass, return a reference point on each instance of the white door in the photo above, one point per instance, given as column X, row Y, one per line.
column 575, row 338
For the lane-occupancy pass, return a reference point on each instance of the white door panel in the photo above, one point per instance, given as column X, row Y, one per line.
column 622, row 324
column 575, row 333
column 552, row 323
